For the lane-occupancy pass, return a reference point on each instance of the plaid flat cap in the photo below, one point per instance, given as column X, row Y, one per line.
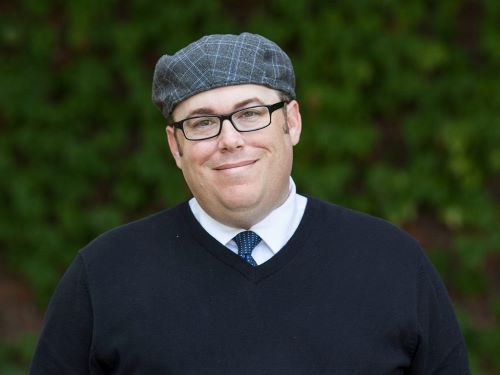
column 220, row 60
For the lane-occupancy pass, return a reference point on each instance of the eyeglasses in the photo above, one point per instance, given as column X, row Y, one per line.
column 243, row 120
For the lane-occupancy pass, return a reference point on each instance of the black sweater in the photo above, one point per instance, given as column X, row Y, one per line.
column 348, row 294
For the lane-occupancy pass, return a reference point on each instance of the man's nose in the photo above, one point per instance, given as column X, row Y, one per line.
column 229, row 137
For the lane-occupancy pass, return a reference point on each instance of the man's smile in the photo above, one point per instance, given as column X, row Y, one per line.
column 235, row 165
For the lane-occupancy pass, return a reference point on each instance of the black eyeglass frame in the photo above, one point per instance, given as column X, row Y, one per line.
column 271, row 108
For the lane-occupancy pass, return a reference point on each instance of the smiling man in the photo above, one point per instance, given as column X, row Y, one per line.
column 247, row 277
column 238, row 176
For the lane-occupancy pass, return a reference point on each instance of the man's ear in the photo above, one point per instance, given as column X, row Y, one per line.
column 173, row 144
column 294, row 121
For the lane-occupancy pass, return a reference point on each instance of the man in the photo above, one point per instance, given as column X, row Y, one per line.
column 248, row 277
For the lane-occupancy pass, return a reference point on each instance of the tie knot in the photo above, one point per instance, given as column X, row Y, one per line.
column 246, row 242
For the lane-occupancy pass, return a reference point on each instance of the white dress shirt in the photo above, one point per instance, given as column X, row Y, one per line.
column 275, row 229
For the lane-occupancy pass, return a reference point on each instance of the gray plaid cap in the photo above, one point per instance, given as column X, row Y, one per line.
column 220, row 60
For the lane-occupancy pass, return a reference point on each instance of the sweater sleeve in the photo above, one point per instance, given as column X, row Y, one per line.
column 64, row 343
column 441, row 348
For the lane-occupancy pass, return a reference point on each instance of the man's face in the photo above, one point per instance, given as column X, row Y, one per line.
column 238, row 178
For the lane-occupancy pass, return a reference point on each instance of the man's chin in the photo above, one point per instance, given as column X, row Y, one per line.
column 240, row 204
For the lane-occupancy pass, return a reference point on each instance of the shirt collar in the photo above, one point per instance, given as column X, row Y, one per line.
column 274, row 229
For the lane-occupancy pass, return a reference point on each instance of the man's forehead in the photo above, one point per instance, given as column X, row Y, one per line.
column 224, row 99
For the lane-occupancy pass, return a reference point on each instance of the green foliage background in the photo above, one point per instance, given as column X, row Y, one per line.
column 400, row 105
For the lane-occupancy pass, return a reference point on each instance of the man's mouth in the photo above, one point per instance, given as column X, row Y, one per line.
column 235, row 165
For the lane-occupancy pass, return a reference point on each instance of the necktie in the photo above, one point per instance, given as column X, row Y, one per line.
column 246, row 242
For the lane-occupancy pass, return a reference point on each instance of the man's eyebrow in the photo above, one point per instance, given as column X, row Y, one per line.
column 210, row 111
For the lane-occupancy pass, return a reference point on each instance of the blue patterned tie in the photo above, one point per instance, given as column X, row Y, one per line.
column 246, row 242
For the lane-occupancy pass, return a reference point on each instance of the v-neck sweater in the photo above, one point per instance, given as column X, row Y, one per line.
column 348, row 294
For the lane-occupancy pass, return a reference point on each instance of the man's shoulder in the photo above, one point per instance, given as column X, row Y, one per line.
column 339, row 212
column 139, row 234
column 352, row 224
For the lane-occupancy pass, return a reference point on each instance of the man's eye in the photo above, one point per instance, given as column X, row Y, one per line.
column 203, row 123
column 249, row 114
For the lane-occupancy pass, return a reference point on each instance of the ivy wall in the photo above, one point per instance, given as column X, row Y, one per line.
column 400, row 104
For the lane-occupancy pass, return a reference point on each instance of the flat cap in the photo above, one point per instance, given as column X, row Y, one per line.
column 220, row 60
